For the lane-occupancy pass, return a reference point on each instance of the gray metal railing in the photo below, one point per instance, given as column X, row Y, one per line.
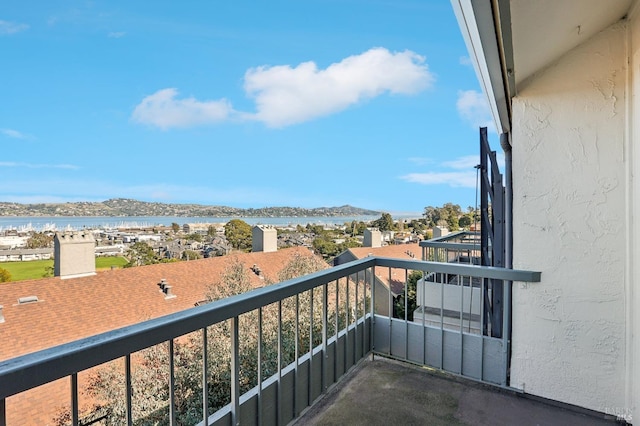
column 345, row 331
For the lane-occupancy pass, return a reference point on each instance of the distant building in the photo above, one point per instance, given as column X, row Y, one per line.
column 264, row 238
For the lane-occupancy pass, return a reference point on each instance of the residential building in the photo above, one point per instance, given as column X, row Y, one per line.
column 562, row 80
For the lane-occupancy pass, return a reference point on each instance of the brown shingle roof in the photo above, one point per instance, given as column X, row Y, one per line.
column 74, row 308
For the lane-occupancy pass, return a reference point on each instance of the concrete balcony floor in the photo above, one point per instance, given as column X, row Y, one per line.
column 386, row 392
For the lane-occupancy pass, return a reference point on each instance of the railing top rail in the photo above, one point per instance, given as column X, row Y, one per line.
column 451, row 246
column 461, row 269
column 31, row 370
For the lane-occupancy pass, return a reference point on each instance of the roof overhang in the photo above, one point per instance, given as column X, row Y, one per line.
column 510, row 40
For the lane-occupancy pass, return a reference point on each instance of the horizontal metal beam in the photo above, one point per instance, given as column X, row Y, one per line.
column 452, row 246
column 462, row 269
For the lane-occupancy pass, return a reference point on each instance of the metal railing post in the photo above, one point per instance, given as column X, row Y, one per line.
column 235, row 372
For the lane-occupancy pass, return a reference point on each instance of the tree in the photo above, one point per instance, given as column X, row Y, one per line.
column 238, row 233
column 211, row 231
column 384, row 223
column 194, row 237
column 175, row 227
column 139, row 254
column 5, row 276
column 39, row 240
column 191, row 255
column 150, row 372
column 399, row 302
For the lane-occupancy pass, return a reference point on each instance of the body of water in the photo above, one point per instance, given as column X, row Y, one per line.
column 62, row 223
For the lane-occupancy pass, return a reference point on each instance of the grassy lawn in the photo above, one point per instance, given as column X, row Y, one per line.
column 38, row 268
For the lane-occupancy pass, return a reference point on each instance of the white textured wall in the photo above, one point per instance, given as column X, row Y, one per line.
column 570, row 210
column 633, row 287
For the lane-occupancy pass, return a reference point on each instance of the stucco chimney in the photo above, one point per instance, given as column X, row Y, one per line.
column 74, row 255
column 264, row 238
column 372, row 238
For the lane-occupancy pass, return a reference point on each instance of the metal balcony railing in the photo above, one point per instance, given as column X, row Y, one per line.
column 288, row 343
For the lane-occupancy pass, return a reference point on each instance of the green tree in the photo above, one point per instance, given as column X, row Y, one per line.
column 175, row 227
column 191, row 255
column 140, row 253
column 384, row 223
column 39, row 240
column 238, row 233
column 150, row 377
column 5, row 276
column 194, row 237
column 211, row 231
column 399, row 302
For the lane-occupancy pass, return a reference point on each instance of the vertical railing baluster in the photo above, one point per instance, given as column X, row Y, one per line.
column 406, row 314
column 482, row 289
column 506, row 328
column 423, row 305
column 347, row 323
column 357, row 315
column 441, row 275
column 205, row 386
column 260, row 366
column 325, row 333
column 297, row 357
column 372, row 281
column 310, row 370
column 279, row 402
column 235, row 372
column 461, row 279
column 335, row 346
column 75, row 416
column 3, row 412
column 390, row 314
column 172, row 385
column 127, row 368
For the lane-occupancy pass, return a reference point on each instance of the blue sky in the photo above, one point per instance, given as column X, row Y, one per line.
column 246, row 104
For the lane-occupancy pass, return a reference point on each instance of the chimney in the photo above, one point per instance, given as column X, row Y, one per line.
column 162, row 284
column 1, row 315
column 264, row 238
column 372, row 238
column 74, row 255
column 167, row 292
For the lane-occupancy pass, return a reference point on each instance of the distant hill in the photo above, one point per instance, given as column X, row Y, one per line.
column 127, row 207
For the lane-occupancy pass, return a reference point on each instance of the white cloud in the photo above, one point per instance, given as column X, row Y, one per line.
column 465, row 60
column 163, row 110
column 454, row 179
column 286, row 95
column 37, row 166
column 7, row 27
column 461, row 163
column 473, row 107
column 116, row 34
column 420, row 161
column 14, row 134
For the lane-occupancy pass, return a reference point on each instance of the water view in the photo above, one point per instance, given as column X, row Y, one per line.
column 60, row 223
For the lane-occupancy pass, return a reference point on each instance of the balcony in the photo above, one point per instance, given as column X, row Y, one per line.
column 283, row 348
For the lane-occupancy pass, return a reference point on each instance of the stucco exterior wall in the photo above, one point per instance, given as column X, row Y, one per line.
column 570, row 181
column 632, row 404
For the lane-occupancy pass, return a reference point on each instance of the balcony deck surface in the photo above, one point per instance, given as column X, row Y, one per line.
column 386, row 392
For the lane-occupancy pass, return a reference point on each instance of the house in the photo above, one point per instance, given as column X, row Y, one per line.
column 387, row 280
column 562, row 80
